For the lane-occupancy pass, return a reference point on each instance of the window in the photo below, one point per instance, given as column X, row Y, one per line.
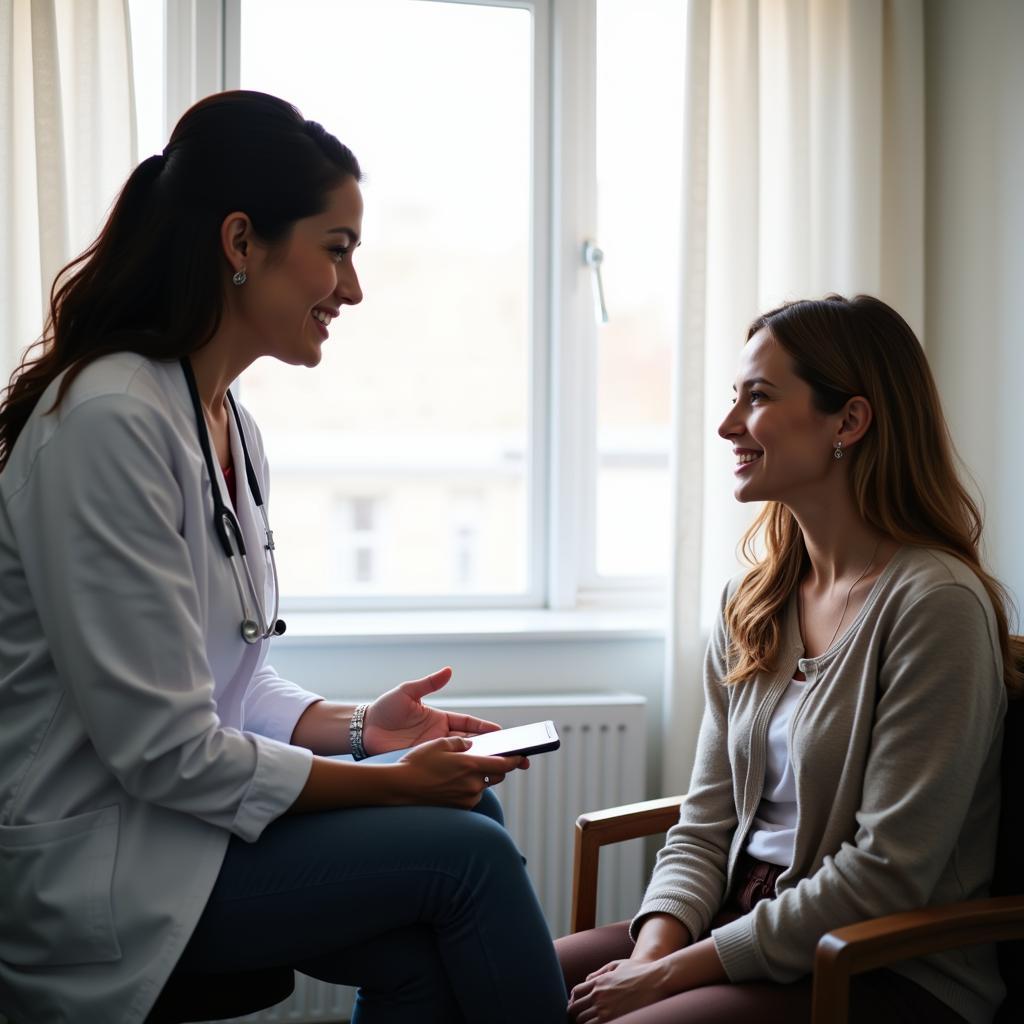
column 466, row 516
column 639, row 167
column 147, row 19
column 358, row 532
column 473, row 436
column 427, row 383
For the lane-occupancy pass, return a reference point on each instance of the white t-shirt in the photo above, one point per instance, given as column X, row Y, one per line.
column 774, row 827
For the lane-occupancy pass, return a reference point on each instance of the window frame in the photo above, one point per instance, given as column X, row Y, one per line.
column 203, row 56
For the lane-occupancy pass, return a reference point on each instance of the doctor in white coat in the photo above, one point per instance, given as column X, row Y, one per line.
column 152, row 762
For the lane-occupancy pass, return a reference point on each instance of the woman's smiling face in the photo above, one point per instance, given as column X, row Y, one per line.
column 295, row 290
column 781, row 441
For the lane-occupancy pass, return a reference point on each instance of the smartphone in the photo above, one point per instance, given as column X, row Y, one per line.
column 535, row 738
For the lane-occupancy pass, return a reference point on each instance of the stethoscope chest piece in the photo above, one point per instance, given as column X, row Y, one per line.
column 251, row 632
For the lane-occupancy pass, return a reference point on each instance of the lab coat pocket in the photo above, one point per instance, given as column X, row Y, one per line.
column 55, row 882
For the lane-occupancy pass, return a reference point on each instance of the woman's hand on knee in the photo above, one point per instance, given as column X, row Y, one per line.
column 441, row 772
column 617, row 988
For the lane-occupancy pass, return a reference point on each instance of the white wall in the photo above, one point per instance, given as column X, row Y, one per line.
column 975, row 252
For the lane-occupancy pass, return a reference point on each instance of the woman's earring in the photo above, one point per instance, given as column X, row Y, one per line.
column 239, row 277
column 837, row 454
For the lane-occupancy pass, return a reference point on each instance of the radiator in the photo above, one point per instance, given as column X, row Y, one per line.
column 601, row 763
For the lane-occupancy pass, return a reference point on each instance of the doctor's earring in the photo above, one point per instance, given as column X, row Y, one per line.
column 837, row 454
column 239, row 277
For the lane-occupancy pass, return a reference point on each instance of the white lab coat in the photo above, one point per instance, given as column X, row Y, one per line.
column 138, row 732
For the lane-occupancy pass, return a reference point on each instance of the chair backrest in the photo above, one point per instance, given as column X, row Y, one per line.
column 1008, row 879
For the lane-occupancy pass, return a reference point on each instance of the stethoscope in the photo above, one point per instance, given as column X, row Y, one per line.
column 227, row 528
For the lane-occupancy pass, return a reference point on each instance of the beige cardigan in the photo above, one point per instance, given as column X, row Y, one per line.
column 895, row 746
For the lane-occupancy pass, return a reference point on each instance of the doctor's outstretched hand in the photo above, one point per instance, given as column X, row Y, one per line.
column 438, row 768
column 399, row 718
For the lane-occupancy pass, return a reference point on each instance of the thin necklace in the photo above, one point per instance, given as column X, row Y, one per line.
column 846, row 603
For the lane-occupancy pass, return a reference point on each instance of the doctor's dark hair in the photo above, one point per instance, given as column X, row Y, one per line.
column 155, row 280
column 902, row 473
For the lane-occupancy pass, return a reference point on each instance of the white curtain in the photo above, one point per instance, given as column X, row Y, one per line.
column 67, row 143
column 803, row 174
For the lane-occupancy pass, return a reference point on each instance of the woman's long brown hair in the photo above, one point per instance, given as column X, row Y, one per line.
column 153, row 281
column 902, row 472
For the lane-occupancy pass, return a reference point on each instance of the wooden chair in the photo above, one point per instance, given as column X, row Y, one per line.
column 870, row 944
column 220, row 996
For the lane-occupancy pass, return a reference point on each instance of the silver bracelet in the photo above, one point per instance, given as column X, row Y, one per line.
column 355, row 733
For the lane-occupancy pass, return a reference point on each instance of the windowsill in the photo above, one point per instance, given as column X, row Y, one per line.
column 307, row 628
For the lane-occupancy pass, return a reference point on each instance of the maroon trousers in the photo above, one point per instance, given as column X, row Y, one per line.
column 877, row 997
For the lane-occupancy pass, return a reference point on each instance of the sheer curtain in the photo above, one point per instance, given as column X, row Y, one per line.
column 803, row 174
column 67, row 143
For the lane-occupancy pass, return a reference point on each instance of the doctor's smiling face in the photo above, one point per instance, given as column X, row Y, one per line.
column 296, row 288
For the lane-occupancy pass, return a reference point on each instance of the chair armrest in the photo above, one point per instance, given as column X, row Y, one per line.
column 615, row 825
column 887, row 940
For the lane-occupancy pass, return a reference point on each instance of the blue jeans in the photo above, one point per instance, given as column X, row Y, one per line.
column 427, row 910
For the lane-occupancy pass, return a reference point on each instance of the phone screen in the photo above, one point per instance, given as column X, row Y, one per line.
column 521, row 739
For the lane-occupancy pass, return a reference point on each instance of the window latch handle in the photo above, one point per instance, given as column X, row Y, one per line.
column 593, row 257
